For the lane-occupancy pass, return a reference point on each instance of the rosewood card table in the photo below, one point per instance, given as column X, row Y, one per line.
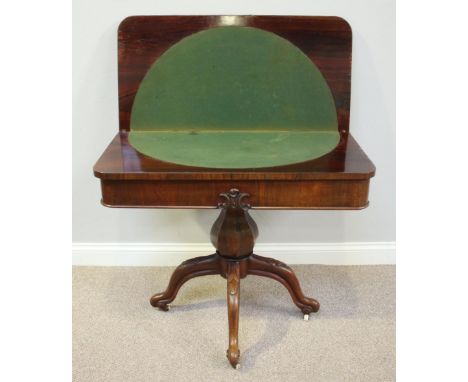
column 234, row 112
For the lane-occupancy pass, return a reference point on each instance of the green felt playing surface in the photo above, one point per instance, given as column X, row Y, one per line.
column 234, row 97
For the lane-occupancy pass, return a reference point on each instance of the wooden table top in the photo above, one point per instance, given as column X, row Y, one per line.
column 337, row 180
column 120, row 161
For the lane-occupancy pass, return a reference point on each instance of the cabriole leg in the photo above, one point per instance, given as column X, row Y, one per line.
column 233, row 296
column 198, row 266
column 274, row 269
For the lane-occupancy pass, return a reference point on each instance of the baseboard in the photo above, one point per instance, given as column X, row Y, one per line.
column 170, row 254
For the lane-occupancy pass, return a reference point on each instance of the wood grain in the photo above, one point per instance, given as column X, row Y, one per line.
column 337, row 180
column 233, row 234
column 327, row 41
column 120, row 161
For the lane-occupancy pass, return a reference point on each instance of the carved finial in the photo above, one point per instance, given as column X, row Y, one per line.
column 233, row 199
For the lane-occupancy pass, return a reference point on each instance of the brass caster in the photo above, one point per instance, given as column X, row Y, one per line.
column 162, row 307
column 306, row 317
column 233, row 358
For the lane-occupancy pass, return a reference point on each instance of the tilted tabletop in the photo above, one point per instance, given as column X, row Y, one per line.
column 257, row 103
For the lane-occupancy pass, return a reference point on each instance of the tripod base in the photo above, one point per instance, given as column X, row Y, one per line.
column 233, row 235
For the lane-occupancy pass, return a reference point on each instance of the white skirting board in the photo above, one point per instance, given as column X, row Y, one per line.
column 170, row 254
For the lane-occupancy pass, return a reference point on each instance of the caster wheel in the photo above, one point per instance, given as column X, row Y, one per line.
column 164, row 307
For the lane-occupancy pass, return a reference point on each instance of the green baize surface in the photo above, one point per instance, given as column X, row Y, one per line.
column 234, row 97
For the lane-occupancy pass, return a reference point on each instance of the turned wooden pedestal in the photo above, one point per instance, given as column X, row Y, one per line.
column 233, row 235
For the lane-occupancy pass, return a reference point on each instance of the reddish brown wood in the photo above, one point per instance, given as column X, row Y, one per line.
column 337, row 180
column 274, row 269
column 327, row 41
column 233, row 304
column 314, row 194
column 199, row 266
column 122, row 161
column 234, row 234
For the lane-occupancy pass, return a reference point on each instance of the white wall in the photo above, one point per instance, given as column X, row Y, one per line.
column 95, row 122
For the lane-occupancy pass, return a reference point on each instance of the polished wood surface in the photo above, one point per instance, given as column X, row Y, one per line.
column 233, row 304
column 233, row 234
column 325, row 40
column 199, row 266
column 308, row 194
column 234, row 217
column 337, row 180
column 120, row 161
column 279, row 271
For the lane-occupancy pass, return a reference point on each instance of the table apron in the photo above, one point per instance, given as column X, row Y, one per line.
column 304, row 194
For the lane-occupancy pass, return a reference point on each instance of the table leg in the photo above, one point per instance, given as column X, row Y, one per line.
column 279, row 271
column 233, row 234
column 233, row 296
column 198, row 266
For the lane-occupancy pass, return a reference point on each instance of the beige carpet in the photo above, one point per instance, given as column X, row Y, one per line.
column 118, row 336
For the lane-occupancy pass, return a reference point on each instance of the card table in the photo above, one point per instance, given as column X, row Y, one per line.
column 234, row 113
